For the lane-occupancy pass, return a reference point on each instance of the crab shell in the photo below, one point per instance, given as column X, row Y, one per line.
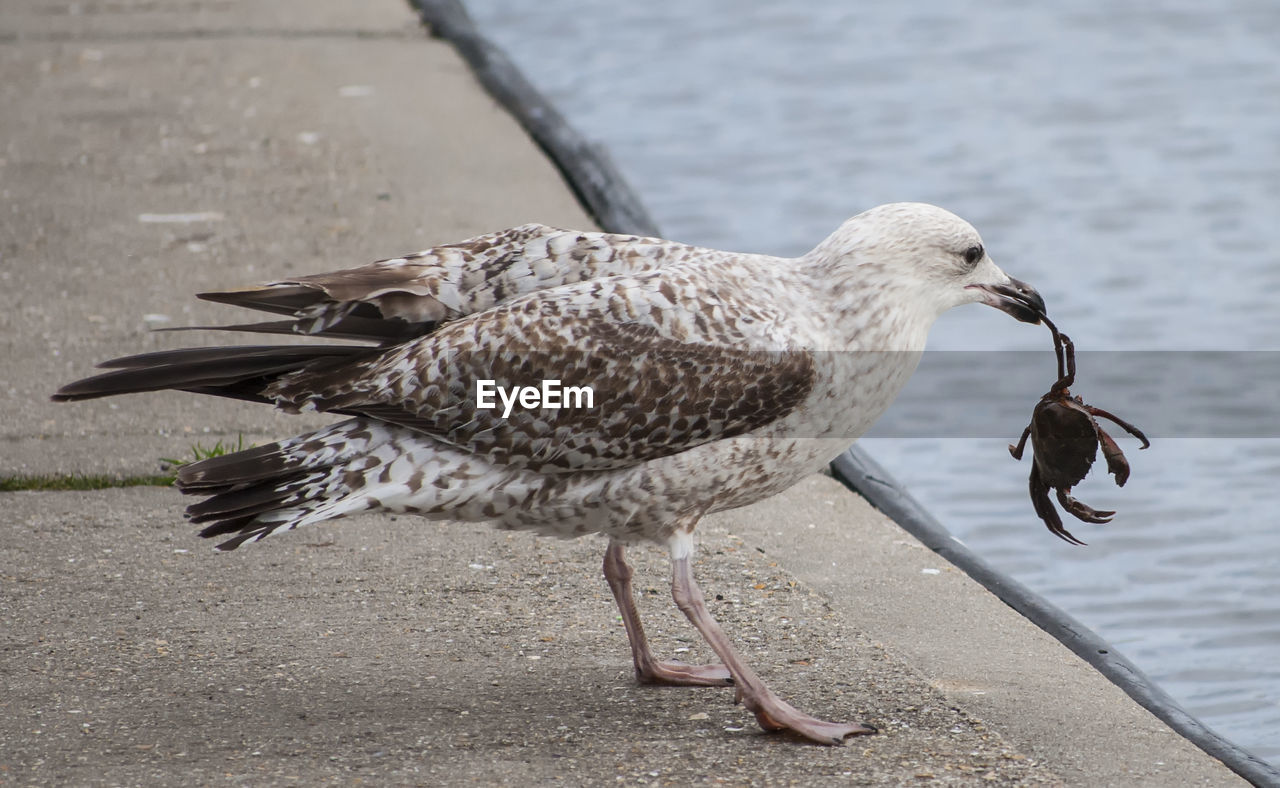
column 1064, row 440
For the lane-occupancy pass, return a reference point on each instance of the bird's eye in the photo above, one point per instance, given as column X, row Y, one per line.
column 972, row 255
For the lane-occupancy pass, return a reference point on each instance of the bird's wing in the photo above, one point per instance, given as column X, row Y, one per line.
column 395, row 300
column 656, row 390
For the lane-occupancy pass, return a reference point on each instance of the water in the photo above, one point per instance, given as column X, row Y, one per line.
column 1125, row 160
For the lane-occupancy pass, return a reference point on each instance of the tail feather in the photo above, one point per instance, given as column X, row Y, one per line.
column 229, row 471
column 280, row 298
column 256, row 499
column 247, row 534
column 373, row 302
column 228, row 526
column 387, row 331
column 257, row 492
column 240, row 372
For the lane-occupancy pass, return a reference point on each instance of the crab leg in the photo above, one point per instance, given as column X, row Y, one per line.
column 1069, row 350
column 1129, row 428
column 1083, row 512
column 1044, row 507
column 1016, row 451
column 1065, row 350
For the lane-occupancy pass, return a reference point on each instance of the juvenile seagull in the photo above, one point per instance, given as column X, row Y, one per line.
column 718, row 379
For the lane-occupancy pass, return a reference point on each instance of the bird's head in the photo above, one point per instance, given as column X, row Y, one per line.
column 933, row 256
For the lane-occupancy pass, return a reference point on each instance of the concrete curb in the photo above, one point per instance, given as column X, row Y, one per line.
column 605, row 193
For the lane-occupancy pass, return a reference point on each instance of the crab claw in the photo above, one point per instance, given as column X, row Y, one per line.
column 1044, row 508
column 1082, row 512
column 1116, row 463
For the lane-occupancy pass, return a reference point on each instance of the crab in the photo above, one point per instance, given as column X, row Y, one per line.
column 1065, row 437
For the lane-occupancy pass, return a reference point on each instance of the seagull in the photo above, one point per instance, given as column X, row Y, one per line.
column 716, row 379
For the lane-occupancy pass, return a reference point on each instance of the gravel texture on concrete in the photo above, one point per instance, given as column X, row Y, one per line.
column 398, row 650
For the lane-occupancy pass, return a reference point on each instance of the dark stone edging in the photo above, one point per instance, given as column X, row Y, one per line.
column 586, row 167
column 602, row 190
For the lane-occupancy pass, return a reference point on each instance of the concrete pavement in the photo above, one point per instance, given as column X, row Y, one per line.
column 153, row 150
column 192, row 146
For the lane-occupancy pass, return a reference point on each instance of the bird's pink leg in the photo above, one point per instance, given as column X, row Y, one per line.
column 648, row 669
column 771, row 712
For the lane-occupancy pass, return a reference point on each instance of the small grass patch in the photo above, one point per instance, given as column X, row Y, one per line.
column 82, row 481
column 200, row 452
column 79, row 481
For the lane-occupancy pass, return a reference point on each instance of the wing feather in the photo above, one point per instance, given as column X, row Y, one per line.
column 653, row 394
column 400, row 298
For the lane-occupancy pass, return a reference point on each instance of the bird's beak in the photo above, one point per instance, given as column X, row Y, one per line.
column 1017, row 298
